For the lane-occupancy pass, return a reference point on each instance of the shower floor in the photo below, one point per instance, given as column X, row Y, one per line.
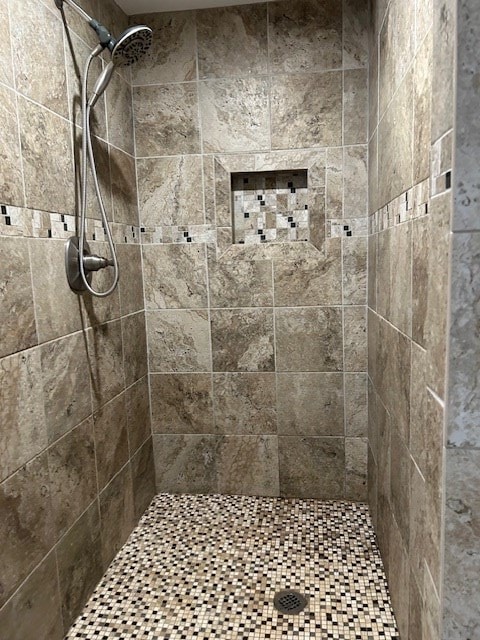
column 208, row 567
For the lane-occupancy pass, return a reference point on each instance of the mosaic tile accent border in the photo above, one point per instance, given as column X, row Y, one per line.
column 208, row 567
column 195, row 234
column 411, row 204
column 30, row 223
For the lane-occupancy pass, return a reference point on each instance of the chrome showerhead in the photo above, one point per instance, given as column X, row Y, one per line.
column 132, row 45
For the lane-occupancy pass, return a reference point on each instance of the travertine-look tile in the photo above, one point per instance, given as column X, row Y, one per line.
column 116, row 513
column 420, row 277
column 37, row 26
column 401, row 278
column 120, row 114
column 134, row 336
column 166, row 120
column 314, row 100
column 105, row 352
column 355, row 178
column 334, row 183
column 11, row 177
column 17, row 315
column 234, row 114
column 245, row 283
column 23, row 434
column 179, row 341
column 422, row 94
column 400, row 471
column 124, row 187
column 355, row 106
column 245, row 403
column 418, row 400
column 356, row 469
column 399, row 577
column 355, row 33
column 309, row 339
column 47, row 159
column 248, row 465
column 356, row 404
column 181, row 403
column 27, row 529
column 169, row 191
column 312, row 467
column 310, row 404
column 355, row 338
column 305, row 36
column 416, row 501
column 232, row 41
column 143, row 476
column 138, row 414
column 242, row 340
column 111, row 439
column 175, row 276
column 6, row 66
column 171, row 57
column 66, row 384
column 355, row 271
column 131, row 280
column 73, row 477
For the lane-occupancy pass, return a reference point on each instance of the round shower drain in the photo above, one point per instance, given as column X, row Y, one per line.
column 289, row 602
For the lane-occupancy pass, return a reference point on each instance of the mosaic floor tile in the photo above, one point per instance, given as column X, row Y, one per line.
column 208, row 567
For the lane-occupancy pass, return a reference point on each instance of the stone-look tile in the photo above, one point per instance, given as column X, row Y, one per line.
column 373, row 71
column 66, row 387
column 131, row 280
column 372, row 421
column 135, row 359
column 432, row 613
column 105, row 351
column 383, row 271
column 6, row 67
column 310, row 281
column 245, row 283
column 27, row 530
column 17, row 313
column 355, row 106
column 355, row 178
column 416, row 502
column 119, row 114
column 179, row 341
column 462, row 532
column 312, row 467
column 73, row 478
column 356, row 450
column 372, row 488
column 100, row 310
column 80, row 567
column 355, row 33
column 401, row 278
column 102, row 162
column 334, row 183
column 34, row 612
column 399, row 579
column 175, row 276
column 314, row 101
column 111, row 439
column 354, row 254
column 372, row 272
column 223, row 195
column 143, row 477
column 23, row 434
column 245, row 403
column 400, row 485
column 356, row 404
column 464, row 398
column 181, row 403
column 445, row 16
column 124, row 191
column 37, row 26
column 305, row 36
column 232, row 41
column 418, row 400
column 47, row 159
column 171, row 57
column 116, row 514
column 310, row 404
column 373, row 193
column 355, row 340
column 422, row 94
column 234, row 114
column 395, row 144
column 186, row 463
column 242, row 340
column 248, row 465
column 11, row 177
column 309, row 339
column 168, row 191
column 420, row 277
column 79, row 25
column 138, row 414
column 166, row 120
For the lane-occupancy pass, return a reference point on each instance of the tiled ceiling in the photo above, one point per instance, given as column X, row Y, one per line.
column 150, row 6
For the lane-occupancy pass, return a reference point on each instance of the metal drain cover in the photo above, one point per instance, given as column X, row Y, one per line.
column 289, row 602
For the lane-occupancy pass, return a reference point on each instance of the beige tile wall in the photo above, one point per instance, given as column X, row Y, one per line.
column 76, row 464
column 257, row 357
column 410, row 164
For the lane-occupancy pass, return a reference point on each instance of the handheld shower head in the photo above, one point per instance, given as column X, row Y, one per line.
column 132, row 45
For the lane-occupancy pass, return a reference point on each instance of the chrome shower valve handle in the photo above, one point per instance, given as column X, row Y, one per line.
column 95, row 263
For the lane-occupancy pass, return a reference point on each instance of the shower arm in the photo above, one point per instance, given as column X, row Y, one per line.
column 104, row 35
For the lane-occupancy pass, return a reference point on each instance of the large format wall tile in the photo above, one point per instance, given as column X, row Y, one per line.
column 138, row 414
column 143, row 476
column 134, row 337
column 240, row 284
column 131, row 280
column 356, row 469
column 11, row 177
column 124, row 192
column 105, row 352
column 248, row 465
column 116, row 513
column 232, row 41
column 6, row 66
column 355, row 107
column 119, row 114
column 111, row 439
column 355, row 33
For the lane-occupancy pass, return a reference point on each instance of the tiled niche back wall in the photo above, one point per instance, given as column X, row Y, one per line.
column 257, row 354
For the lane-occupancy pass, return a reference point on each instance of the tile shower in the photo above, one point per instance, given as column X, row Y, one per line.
column 275, row 173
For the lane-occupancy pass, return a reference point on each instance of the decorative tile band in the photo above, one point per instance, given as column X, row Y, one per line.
column 342, row 227
column 411, row 204
column 195, row 234
column 30, row 223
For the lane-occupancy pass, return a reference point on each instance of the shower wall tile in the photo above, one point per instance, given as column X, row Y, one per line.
column 241, row 284
column 11, row 175
column 105, row 353
column 166, row 120
column 172, row 55
column 175, row 276
column 37, row 36
column 354, row 254
column 119, row 114
column 17, row 311
column 422, row 93
column 234, row 115
column 134, row 337
column 305, row 36
column 355, row 338
column 124, row 192
column 316, row 99
column 116, row 513
column 131, row 280
column 356, row 404
column 245, row 403
column 356, row 469
column 355, row 33
column 143, row 477
column 182, row 403
column 355, row 177
column 232, row 41
column 6, row 68
column 355, row 106
column 111, row 439
column 138, row 414
column 420, row 277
